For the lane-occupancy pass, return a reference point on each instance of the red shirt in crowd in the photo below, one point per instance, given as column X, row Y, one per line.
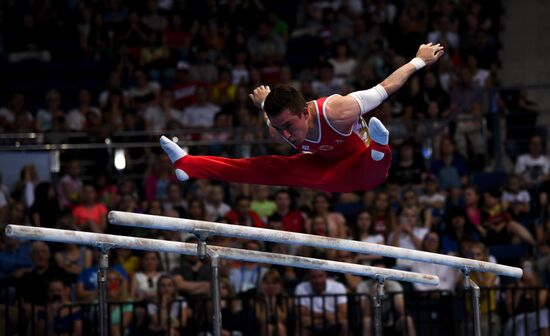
column 252, row 220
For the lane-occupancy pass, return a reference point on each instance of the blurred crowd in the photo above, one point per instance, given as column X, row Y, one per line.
column 187, row 67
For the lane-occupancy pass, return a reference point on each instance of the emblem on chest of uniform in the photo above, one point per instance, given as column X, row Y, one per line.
column 305, row 147
column 325, row 147
column 339, row 141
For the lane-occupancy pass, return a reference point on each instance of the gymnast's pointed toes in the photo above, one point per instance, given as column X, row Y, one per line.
column 174, row 151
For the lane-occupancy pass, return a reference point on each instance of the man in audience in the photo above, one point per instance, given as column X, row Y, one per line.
column 328, row 313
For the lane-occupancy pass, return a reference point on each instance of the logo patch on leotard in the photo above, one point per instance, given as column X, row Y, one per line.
column 325, row 147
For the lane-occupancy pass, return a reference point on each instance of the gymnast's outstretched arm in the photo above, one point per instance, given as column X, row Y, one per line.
column 344, row 110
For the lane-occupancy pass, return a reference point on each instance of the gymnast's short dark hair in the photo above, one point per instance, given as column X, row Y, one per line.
column 284, row 97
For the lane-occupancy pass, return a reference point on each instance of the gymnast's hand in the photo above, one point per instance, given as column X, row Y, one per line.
column 259, row 94
column 430, row 52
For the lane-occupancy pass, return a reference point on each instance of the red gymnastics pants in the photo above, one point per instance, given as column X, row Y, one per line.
column 356, row 172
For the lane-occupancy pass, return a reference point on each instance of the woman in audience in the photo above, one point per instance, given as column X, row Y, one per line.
column 336, row 223
column 488, row 299
column 270, row 310
column 458, row 230
column 168, row 315
column 526, row 304
column 144, row 284
column 73, row 259
column 384, row 218
column 363, row 232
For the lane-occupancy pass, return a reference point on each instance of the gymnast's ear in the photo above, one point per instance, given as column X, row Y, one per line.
column 306, row 112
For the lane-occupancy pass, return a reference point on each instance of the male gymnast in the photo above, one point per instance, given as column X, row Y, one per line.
column 338, row 152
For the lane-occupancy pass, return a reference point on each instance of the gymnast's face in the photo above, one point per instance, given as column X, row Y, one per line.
column 292, row 127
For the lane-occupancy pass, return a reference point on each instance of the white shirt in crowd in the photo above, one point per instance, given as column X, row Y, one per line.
column 175, row 309
column 146, row 286
column 215, row 212
column 532, row 169
column 332, row 287
column 75, row 119
column 448, row 276
column 156, row 118
column 375, row 239
column 343, row 69
column 199, row 115
column 406, row 241
column 521, row 196
column 245, row 278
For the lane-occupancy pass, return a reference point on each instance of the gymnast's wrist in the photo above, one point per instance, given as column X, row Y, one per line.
column 418, row 63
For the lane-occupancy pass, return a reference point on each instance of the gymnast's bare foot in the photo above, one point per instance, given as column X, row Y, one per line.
column 175, row 153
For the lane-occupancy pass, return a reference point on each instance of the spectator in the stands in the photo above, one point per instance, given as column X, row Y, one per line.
column 534, row 166
column 154, row 20
column 203, row 69
column 174, row 200
column 261, row 201
column 243, row 215
column 498, row 227
column 120, row 315
column 112, row 114
column 215, row 204
column 409, row 233
column 451, row 169
column 383, row 215
column 33, row 285
column 363, row 232
column 59, row 317
column 144, row 283
column 445, row 33
column 488, row 298
column 408, row 169
column 394, row 315
column 73, row 259
column 144, row 92
column 246, row 276
column 15, row 110
column 91, row 215
column 76, row 119
column 471, row 134
column 270, row 309
column 157, row 116
column 344, row 66
column 526, row 304
column 448, row 277
column 197, row 210
column 327, row 84
column 264, row 44
column 336, row 223
column 47, row 118
column 15, row 259
column 70, row 185
column 327, row 315
column 515, row 199
column 292, row 220
column 27, row 42
column 170, row 312
column 185, row 87
column 160, row 174
column 200, row 114
column 458, row 231
column 24, row 188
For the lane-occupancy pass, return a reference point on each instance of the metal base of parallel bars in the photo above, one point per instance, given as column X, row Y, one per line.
column 470, row 284
column 202, row 252
column 378, row 306
column 102, row 278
